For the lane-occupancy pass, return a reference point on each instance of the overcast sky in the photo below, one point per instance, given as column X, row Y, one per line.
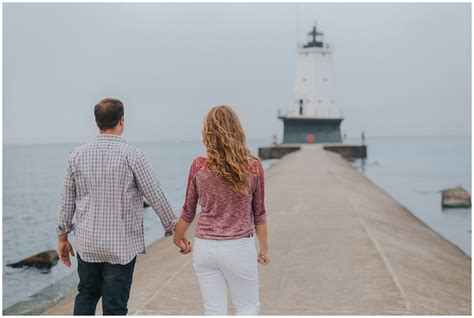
column 401, row 69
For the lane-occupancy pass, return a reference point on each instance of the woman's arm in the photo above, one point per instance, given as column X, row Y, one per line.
column 260, row 216
column 179, row 238
column 189, row 212
column 262, row 234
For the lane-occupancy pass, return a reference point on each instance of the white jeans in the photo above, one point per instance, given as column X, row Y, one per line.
column 227, row 264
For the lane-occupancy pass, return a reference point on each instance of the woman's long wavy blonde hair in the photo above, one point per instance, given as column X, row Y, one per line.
column 226, row 147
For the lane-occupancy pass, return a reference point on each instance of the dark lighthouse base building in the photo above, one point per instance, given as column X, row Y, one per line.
column 299, row 130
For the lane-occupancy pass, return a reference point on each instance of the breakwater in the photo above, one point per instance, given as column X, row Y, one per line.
column 340, row 245
column 346, row 151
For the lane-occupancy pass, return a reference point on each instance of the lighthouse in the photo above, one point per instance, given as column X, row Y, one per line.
column 314, row 116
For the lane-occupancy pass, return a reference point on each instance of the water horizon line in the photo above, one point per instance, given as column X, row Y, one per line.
column 367, row 136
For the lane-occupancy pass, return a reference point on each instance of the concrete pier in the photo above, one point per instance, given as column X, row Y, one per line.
column 347, row 151
column 277, row 152
column 339, row 244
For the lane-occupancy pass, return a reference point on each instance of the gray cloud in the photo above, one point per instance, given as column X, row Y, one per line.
column 401, row 69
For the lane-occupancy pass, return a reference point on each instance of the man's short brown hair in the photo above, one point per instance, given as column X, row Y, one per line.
column 108, row 113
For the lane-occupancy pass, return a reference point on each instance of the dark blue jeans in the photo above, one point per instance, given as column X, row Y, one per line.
column 112, row 282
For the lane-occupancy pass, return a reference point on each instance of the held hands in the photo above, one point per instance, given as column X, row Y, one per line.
column 264, row 257
column 64, row 249
column 179, row 237
column 183, row 244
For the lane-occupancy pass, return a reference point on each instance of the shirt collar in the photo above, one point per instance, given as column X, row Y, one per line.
column 107, row 137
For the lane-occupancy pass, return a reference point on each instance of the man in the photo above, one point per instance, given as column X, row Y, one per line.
column 104, row 187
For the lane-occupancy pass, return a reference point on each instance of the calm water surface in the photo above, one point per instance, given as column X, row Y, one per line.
column 413, row 171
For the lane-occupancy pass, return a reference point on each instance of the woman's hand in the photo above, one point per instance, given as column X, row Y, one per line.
column 183, row 244
column 179, row 239
column 262, row 233
column 264, row 257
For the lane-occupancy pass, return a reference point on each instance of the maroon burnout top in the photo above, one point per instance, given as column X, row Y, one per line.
column 225, row 214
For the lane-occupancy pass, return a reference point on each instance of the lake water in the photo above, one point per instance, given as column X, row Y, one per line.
column 412, row 170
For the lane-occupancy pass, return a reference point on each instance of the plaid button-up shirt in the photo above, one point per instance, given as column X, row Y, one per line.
column 104, row 187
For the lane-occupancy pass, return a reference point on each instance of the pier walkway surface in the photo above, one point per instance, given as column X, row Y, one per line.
column 339, row 245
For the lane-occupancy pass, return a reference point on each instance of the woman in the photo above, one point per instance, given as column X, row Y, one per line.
column 228, row 184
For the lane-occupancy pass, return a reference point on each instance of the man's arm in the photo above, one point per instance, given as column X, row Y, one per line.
column 148, row 184
column 66, row 213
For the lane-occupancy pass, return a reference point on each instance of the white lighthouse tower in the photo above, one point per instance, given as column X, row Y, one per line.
column 315, row 94
column 314, row 116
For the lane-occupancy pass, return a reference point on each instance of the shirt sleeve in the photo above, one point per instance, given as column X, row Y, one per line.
column 258, row 200
column 191, row 199
column 68, row 201
column 148, row 184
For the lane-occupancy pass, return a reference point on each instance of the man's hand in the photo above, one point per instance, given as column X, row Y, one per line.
column 64, row 249
column 183, row 244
